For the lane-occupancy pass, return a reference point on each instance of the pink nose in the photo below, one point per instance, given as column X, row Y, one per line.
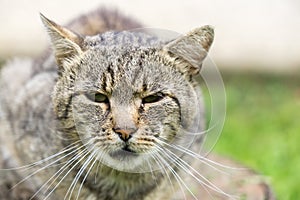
column 124, row 134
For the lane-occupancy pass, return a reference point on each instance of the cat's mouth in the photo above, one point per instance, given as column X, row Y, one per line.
column 123, row 153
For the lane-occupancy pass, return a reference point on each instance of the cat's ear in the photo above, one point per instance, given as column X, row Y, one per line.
column 67, row 44
column 189, row 51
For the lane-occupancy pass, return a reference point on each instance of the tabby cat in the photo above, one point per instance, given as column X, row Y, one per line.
column 109, row 113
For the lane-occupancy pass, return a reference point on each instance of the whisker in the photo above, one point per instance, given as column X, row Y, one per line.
column 195, row 155
column 79, row 173
column 165, row 173
column 150, row 168
column 85, row 152
column 151, row 171
column 98, row 165
column 37, row 171
column 86, row 175
column 200, row 184
column 29, row 166
column 187, row 168
column 202, row 158
column 58, row 173
column 177, row 177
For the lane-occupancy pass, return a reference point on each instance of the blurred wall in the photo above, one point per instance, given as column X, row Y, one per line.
column 250, row 35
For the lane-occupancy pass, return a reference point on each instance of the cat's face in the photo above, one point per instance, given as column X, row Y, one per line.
column 127, row 98
column 125, row 102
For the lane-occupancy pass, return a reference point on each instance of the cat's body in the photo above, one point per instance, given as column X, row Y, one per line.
column 105, row 105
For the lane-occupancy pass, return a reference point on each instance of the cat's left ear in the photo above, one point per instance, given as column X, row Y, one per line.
column 189, row 51
column 66, row 43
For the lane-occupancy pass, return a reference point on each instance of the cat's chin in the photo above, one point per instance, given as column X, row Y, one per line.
column 123, row 155
column 127, row 161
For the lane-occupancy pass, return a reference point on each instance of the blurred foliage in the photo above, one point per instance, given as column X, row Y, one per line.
column 262, row 128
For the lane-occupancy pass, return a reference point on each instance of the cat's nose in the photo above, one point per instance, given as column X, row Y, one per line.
column 124, row 134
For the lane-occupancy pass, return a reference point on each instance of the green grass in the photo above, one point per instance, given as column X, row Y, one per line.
column 262, row 128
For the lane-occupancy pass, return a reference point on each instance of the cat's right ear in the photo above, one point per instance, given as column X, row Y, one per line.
column 67, row 44
column 189, row 51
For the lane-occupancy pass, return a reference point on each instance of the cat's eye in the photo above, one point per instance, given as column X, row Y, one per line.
column 153, row 98
column 97, row 97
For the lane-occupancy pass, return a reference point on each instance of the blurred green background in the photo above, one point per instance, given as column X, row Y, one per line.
column 262, row 127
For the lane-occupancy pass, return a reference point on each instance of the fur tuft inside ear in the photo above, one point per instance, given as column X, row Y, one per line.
column 191, row 49
column 66, row 43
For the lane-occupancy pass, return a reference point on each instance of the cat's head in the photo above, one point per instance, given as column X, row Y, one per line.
column 128, row 96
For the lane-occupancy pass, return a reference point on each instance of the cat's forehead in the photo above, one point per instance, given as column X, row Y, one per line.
column 125, row 70
column 123, row 53
column 128, row 67
column 125, row 61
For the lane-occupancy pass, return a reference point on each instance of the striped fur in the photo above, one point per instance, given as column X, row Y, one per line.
column 109, row 147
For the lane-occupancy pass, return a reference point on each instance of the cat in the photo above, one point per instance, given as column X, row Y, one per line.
column 109, row 113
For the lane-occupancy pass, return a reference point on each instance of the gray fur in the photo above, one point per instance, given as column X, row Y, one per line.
column 48, row 109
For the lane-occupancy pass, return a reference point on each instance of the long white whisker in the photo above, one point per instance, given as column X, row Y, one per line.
column 100, row 156
column 58, row 173
column 165, row 173
column 194, row 155
column 182, row 166
column 68, row 164
column 97, row 170
column 86, row 175
column 48, row 165
column 151, row 171
column 187, row 168
column 29, row 166
column 201, row 183
column 85, row 152
column 201, row 158
column 79, row 173
column 177, row 177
